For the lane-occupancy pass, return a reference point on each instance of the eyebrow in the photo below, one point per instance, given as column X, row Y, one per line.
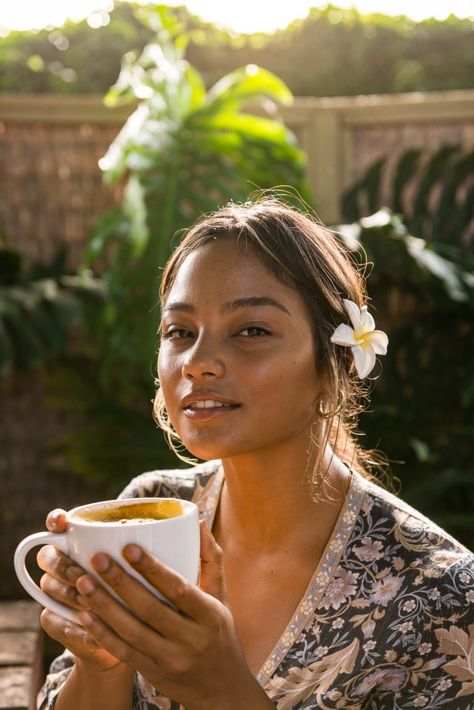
column 231, row 306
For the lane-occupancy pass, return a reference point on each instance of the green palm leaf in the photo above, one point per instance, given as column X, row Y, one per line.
column 436, row 167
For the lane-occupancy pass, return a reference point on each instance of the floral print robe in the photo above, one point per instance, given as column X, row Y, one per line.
column 386, row 621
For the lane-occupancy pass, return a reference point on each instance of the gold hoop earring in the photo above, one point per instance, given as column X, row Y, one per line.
column 327, row 413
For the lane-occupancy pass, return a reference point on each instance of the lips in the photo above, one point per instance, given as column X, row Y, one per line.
column 206, row 400
column 204, row 405
column 209, row 404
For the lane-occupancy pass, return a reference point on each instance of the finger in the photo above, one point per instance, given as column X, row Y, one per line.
column 73, row 636
column 212, row 565
column 94, row 598
column 116, row 645
column 62, row 592
column 56, row 520
column 157, row 614
column 57, row 564
column 188, row 598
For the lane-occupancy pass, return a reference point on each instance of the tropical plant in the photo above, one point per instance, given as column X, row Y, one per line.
column 39, row 307
column 182, row 152
column 440, row 206
column 423, row 407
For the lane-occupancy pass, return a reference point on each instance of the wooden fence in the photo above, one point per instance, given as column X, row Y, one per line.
column 51, row 190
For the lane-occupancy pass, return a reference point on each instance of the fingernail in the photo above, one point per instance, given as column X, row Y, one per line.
column 132, row 553
column 85, row 618
column 85, row 585
column 101, row 562
column 53, row 517
column 73, row 573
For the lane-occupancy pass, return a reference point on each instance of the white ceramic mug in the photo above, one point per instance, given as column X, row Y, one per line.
column 173, row 540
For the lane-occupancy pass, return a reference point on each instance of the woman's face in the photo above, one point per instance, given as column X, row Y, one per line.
column 237, row 361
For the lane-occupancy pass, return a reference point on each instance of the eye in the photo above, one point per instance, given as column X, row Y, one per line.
column 177, row 334
column 254, row 331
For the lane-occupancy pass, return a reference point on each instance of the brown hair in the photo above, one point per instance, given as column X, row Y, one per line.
column 306, row 256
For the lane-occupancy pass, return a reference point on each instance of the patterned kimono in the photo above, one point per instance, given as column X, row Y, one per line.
column 386, row 622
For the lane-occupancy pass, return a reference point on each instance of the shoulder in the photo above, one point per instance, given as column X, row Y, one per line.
column 418, row 567
column 171, row 483
column 413, row 530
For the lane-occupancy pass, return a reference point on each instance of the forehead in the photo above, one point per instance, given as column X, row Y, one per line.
column 222, row 271
column 221, row 279
column 222, row 265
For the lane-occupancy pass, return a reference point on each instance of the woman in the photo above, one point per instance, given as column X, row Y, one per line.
column 318, row 588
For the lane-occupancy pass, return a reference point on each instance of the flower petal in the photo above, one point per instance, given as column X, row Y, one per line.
column 368, row 323
column 343, row 335
column 364, row 359
column 354, row 314
column 379, row 341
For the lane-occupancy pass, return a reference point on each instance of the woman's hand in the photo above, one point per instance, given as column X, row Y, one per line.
column 61, row 574
column 190, row 653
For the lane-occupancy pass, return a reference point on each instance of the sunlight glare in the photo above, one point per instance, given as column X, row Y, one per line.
column 244, row 16
column 31, row 14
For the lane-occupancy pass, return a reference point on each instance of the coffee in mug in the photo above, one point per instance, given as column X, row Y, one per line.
column 142, row 512
column 168, row 528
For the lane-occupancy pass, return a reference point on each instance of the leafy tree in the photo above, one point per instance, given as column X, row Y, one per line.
column 74, row 58
column 341, row 52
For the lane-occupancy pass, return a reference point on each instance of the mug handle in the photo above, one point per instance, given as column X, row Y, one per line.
column 59, row 540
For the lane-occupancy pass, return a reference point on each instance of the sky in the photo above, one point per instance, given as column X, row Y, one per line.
column 240, row 16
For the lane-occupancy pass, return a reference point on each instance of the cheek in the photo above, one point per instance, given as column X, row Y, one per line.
column 288, row 384
column 160, row 366
column 168, row 371
column 301, row 386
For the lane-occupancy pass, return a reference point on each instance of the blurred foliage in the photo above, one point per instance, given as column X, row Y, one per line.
column 114, row 438
column 342, row 52
column 432, row 191
column 39, row 307
column 181, row 153
column 422, row 412
column 72, row 59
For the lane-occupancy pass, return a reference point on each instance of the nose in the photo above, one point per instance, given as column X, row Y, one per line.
column 202, row 360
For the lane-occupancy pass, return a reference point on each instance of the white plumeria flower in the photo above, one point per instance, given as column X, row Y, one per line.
column 364, row 341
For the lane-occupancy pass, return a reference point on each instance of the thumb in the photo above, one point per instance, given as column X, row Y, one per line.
column 212, row 565
column 56, row 520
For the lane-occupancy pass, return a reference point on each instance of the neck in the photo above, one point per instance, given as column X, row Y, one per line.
column 267, row 500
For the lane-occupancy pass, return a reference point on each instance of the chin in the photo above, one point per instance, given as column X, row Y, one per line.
column 211, row 450
column 207, row 453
